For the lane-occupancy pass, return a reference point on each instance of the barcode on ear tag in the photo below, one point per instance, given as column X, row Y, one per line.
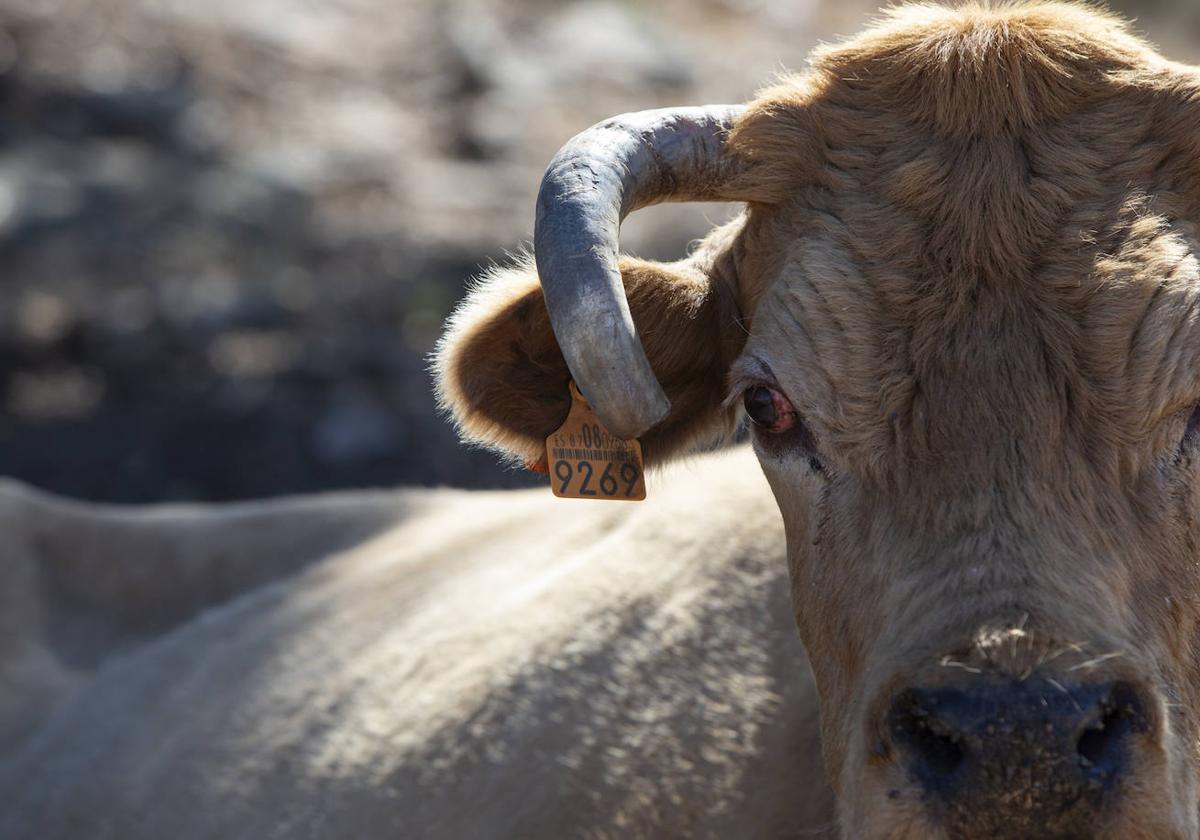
column 586, row 461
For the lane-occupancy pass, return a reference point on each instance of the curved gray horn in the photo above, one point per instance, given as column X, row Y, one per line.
column 595, row 181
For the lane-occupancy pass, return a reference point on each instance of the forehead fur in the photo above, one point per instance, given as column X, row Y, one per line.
column 1022, row 61
column 977, row 69
column 992, row 214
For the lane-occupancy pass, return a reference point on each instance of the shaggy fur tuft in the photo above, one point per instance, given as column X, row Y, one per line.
column 501, row 377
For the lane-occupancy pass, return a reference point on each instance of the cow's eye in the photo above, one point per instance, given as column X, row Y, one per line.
column 769, row 409
column 781, row 427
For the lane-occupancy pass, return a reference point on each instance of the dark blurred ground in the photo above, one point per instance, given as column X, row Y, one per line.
column 229, row 230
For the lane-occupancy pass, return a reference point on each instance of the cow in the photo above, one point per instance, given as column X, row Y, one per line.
column 957, row 311
column 960, row 310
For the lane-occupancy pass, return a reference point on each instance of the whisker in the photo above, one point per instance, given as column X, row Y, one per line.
column 946, row 662
column 1059, row 686
column 1092, row 663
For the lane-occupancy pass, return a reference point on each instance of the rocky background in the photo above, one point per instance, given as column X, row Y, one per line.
column 230, row 230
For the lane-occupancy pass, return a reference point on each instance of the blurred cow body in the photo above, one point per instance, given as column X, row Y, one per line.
column 411, row 664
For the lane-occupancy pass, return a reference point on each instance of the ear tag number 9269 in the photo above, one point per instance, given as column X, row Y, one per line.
column 586, row 461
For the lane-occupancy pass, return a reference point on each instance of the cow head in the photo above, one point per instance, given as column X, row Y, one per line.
column 962, row 311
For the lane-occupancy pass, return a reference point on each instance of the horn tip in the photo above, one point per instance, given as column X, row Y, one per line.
column 633, row 418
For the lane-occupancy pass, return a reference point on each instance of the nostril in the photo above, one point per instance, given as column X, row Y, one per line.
column 1101, row 745
column 942, row 754
column 924, row 738
column 1098, row 744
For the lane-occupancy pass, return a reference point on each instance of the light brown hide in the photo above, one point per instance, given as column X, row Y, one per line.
column 973, row 270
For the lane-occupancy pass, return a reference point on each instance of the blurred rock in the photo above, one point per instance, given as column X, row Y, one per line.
column 356, row 429
column 54, row 394
column 611, row 43
column 43, row 318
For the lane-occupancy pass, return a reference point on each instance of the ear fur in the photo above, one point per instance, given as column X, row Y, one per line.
column 501, row 376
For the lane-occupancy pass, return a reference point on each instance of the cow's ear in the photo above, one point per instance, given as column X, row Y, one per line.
column 502, row 377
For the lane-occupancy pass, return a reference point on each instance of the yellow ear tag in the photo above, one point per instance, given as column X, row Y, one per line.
column 586, row 461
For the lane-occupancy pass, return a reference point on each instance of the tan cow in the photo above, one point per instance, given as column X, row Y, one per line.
column 960, row 309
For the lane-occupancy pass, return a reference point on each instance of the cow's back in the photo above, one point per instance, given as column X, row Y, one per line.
column 489, row 664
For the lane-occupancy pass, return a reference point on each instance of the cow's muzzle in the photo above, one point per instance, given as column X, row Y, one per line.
column 999, row 757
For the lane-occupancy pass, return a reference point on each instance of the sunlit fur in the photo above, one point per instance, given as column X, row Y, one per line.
column 973, row 269
column 420, row 663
